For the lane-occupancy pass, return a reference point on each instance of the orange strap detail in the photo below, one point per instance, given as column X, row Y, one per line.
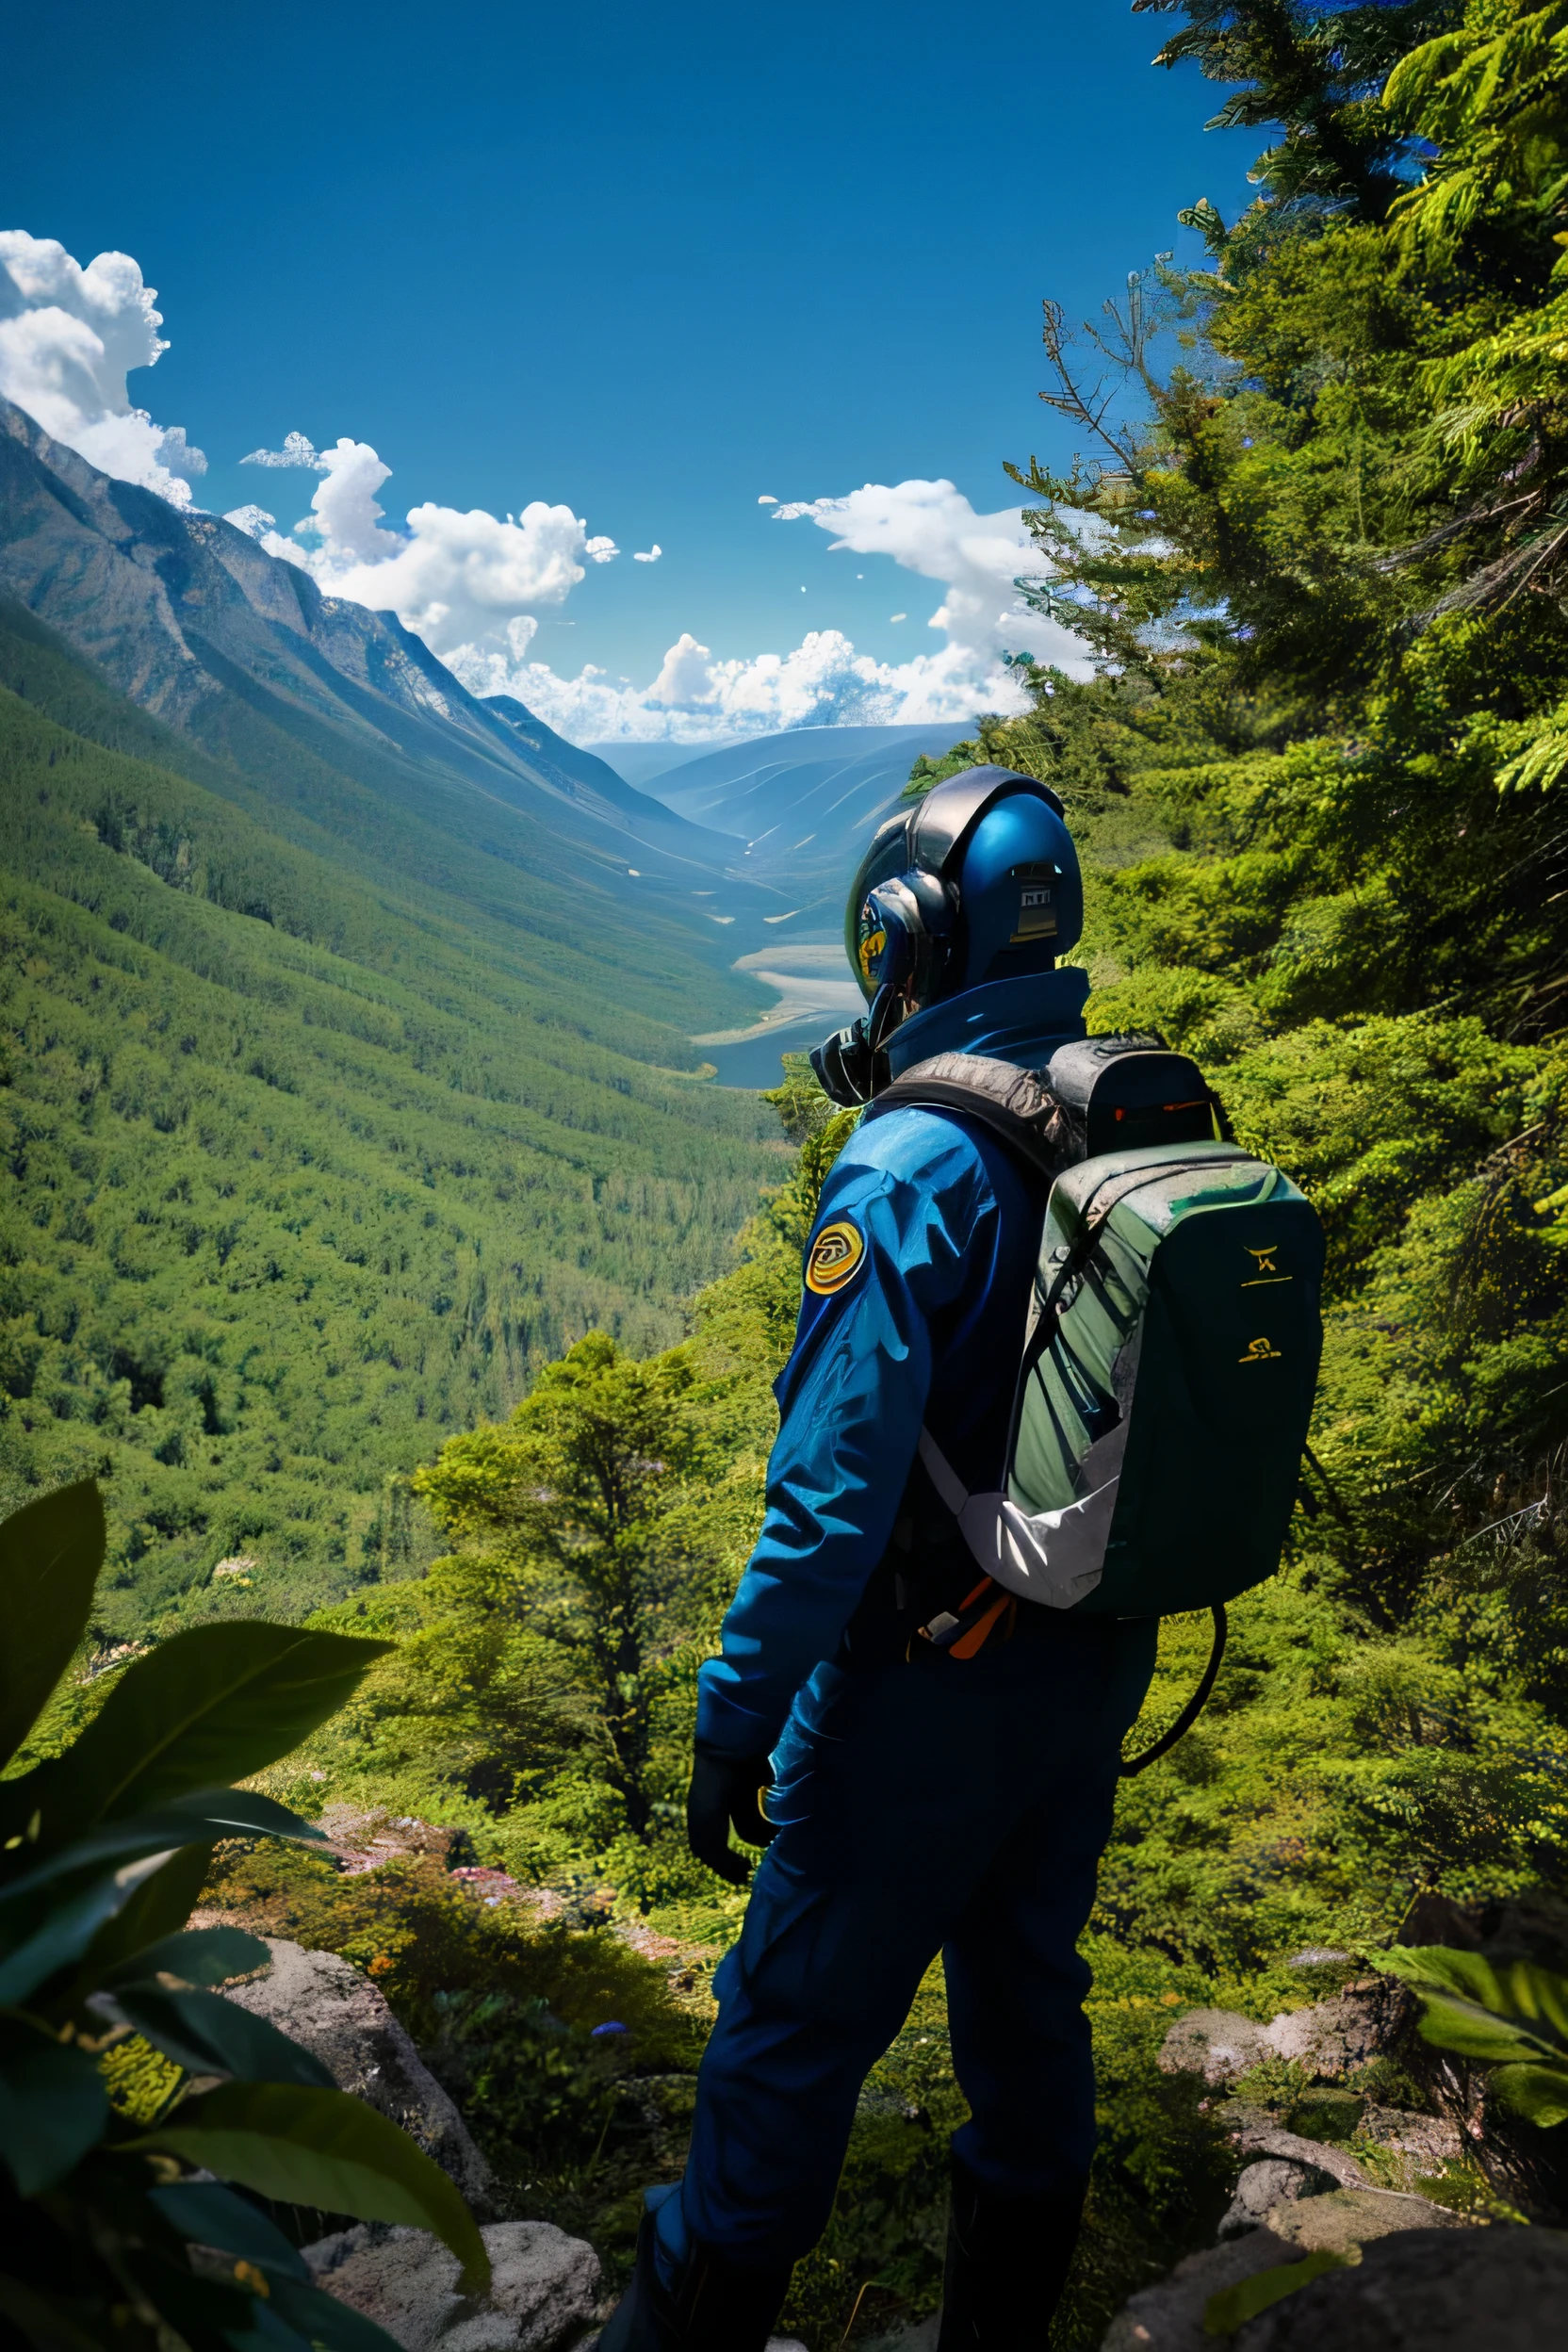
column 975, row 1637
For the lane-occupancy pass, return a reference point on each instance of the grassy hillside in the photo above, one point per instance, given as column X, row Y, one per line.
column 309, row 1165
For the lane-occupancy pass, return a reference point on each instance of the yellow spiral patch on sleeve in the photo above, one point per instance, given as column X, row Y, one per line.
column 835, row 1257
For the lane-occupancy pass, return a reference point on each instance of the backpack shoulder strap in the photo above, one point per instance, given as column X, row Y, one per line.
column 1012, row 1102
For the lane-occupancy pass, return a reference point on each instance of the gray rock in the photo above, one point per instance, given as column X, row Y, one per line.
column 1329, row 2037
column 1428, row 2141
column 1345, row 2217
column 1170, row 2317
column 1273, row 2180
column 542, row 2290
column 337, row 2014
column 1260, row 2135
column 793, row 2343
column 1333, row 2036
column 1218, row 2044
column 1495, row 2289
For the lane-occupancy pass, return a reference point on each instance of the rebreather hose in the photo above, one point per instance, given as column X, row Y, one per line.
column 1193, row 1708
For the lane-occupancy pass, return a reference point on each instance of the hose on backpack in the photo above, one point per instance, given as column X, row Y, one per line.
column 1193, row 1708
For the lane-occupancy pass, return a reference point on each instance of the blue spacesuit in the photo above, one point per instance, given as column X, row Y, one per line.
column 919, row 1803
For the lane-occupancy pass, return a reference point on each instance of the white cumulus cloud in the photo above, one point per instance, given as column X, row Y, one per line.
column 69, row 337
column 296, row 452
column 931, row 528
column 695, row 698
column 927, row 528
column 473, row 584
column 455, row 579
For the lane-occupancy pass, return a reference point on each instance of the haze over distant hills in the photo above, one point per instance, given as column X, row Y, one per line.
column 638, row 763
column 804, row 804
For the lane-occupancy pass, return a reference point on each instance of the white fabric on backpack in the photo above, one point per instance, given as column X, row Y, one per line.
column 1055, row 1558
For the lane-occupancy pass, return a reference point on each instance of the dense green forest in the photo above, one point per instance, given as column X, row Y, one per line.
column 1317, row 542
column 307, row 1165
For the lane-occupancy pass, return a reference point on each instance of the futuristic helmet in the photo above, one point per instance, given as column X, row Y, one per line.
column 977, row 882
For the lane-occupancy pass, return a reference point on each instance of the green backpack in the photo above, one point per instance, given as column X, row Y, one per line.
column 1167, row 1386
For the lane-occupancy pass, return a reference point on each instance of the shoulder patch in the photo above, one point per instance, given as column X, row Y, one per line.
column 835, row 1257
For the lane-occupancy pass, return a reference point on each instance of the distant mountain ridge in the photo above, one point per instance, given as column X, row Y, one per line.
column 803, row 803
column 638, row 763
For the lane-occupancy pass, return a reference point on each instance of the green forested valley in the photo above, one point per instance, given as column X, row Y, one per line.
column 306, row 1165
column 1315, row 542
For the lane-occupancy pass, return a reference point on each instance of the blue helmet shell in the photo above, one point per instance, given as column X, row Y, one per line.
column 1021, row 895
column 1005, row 900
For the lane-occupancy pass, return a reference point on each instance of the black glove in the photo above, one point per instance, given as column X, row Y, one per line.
column 726, row 1788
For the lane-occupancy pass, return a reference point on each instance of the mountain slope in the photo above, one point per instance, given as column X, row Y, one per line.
column 309, row 1158
column 326, row 707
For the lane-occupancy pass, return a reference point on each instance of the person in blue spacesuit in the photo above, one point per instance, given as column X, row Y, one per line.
column 913, row 1799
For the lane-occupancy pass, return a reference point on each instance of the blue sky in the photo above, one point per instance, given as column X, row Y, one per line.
column 644, row 263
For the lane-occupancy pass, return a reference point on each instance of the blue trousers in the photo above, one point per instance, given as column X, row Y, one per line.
column 933, row 1805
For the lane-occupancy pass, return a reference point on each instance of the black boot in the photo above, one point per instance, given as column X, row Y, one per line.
column 643, row 2320
column 1007, row 2262
column 718, row 2307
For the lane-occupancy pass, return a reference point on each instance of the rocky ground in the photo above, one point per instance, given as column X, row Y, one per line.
column 1356, row 2222
column 1378, row 2203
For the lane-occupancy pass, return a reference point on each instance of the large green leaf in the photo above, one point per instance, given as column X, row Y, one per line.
column 201, row 2309
column 204, row 2213
column 1434, row 1966
column 202, row 1955
column 1512, row 2016
column 325, row 2321
column 213, row 1705
column 198, row 1819
column 1474, row 2032
column 57, row 1931
column 154, row 1914
column 1233, row 2307
column 50, row 1555
column 53, row 2105
column 208, row 2034
column 1514, row 1988
column 1538, row 2093
column 54, row 1914
column 321, row 2147
column 1537, row 1995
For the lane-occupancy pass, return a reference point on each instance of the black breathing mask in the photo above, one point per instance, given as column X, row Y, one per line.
column 848, row 1070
